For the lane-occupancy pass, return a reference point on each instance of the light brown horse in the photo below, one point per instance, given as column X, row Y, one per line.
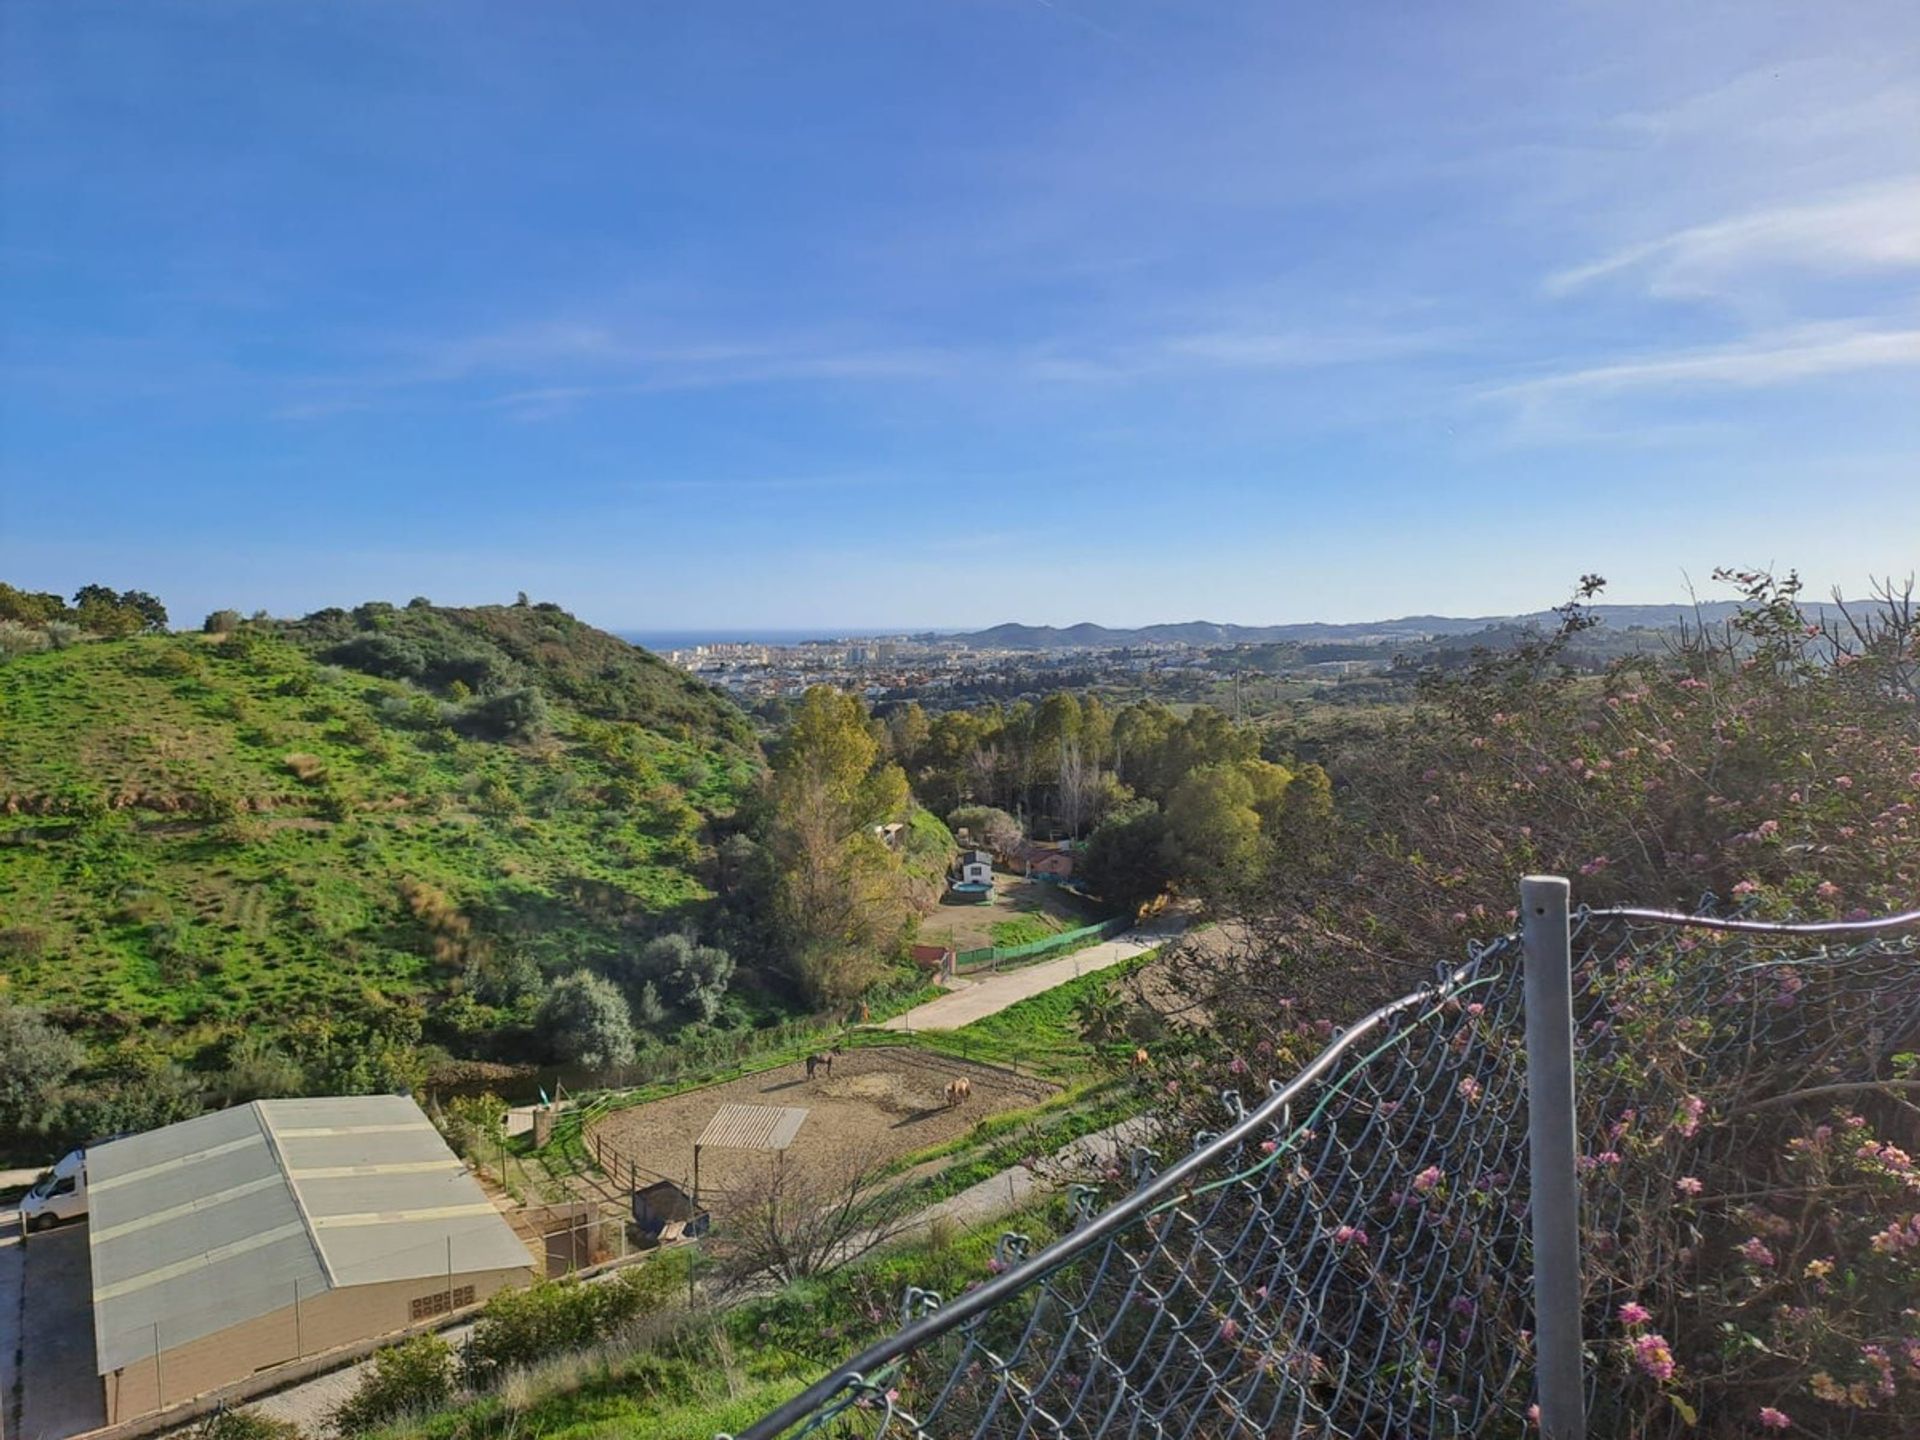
column 958, row 1091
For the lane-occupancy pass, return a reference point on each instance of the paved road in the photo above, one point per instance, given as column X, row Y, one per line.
column 993, row 993
column 46, row 1301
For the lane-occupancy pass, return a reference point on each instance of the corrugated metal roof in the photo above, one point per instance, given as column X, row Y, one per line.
column 215, row 1221
column 752, row 1127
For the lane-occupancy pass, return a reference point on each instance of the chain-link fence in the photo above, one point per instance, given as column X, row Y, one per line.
column 1352, row 1255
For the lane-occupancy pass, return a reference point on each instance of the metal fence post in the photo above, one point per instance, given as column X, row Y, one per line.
column 1552, row 1180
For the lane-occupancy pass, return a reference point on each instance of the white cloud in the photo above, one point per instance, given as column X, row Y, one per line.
column 1752, row 364
column 1860, row 231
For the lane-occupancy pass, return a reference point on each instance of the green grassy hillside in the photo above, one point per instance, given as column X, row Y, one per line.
column 211, row 843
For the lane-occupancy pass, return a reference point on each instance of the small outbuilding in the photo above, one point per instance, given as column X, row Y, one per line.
column 975, row 868
column 249, row 1237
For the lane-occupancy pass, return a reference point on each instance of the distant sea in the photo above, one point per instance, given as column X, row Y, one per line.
column 687, row 639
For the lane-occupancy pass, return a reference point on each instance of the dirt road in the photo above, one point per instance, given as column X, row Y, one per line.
column 991, row 994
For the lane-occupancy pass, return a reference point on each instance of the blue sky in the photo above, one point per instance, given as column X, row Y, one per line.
column 948, row 313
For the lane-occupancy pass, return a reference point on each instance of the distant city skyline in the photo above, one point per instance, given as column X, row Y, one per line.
column 756, row 315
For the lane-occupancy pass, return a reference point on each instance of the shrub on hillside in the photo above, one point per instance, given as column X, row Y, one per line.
column 550, row 1317
column 61, row 634
column 585, row 1021
column 30, row 607
column 673, row 969
column 307, row 769
column 520, row 714
column 387, row 656
column 504, row 978
column 36, row 1059
column 221, row 622
column 412, row 1377
column 19, row 639
column 473, row 1122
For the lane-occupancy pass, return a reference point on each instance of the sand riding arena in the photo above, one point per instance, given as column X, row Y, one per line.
column 878, row 1104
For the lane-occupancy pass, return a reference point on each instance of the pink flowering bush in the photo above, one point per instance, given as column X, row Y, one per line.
column 1754, row 1249
column 1753, row 1206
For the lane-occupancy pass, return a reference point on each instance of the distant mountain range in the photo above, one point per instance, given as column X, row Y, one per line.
column 1408, row 627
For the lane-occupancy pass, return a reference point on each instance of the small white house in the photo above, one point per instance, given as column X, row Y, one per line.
column 976, row 867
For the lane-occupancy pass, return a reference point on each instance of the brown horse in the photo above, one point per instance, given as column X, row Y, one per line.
column 958, row 1091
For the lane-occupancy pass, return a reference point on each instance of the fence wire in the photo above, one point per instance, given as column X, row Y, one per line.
column 1350, row 1257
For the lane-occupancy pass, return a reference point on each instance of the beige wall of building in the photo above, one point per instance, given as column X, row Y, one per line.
column 324, row 1321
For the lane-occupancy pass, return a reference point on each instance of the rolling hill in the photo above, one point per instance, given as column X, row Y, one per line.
column 324, row 834
column 1410, row 627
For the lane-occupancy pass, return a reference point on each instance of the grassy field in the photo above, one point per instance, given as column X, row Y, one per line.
column 1021, row 910
column 198, row 840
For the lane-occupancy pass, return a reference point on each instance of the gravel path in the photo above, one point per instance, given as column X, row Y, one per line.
column 993, row 993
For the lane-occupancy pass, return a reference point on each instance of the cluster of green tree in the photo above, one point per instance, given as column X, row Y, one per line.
column 597, row 1019
column 490, row 650
column 1164, row 800
column 56, row 1091
column 40, row 620
column 811, row 875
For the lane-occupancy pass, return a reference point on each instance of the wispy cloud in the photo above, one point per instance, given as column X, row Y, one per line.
column 1752, row 364
column 1869, row 229
column 562, row 365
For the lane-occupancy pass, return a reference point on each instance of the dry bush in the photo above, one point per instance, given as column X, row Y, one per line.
column 450, row 932
column 308, row 769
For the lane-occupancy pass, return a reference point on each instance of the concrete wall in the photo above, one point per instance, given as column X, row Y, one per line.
column 325, row 1322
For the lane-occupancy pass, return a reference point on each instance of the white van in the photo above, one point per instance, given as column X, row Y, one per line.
column 60, row 1194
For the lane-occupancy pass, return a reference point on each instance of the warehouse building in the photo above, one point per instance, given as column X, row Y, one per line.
column 253, row 1236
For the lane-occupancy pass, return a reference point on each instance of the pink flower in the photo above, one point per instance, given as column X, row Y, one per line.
column 1237, row 1066
column 1428, row 1178
column 1654, row 1357
column 1634, row 1313
column 1745, row 888
column 1229, row 1329
column 1845, row 782
column 1827, row 890
column 1772, row 1419
column 1755, row 1252
column 1470, row 1090
column 1350, row 1235
column 1267, row 1147
column 1689, row 1185
column 1688, row 1122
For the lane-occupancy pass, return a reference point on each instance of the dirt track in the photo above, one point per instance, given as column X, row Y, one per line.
column 879, row 1104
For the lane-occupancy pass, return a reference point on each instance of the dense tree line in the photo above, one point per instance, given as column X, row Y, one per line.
column 1161, row 799
column 40, row 620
